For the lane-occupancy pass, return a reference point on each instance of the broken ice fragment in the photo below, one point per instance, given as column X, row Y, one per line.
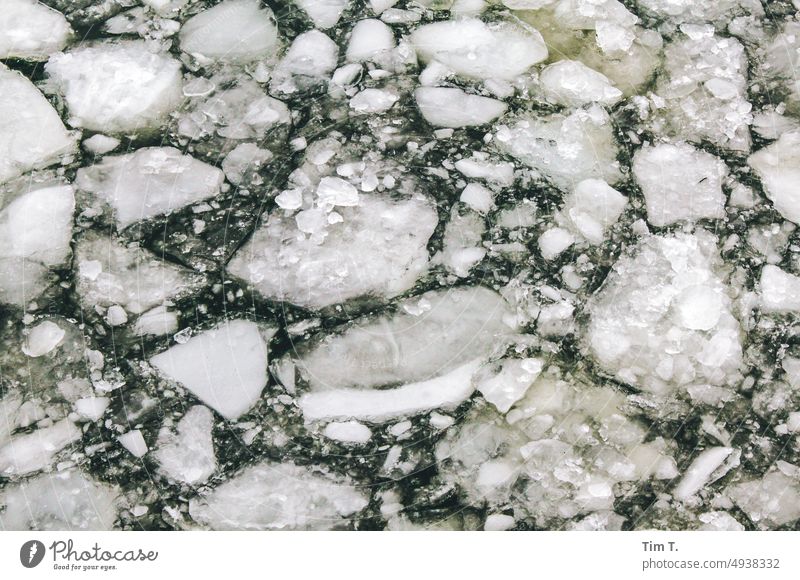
column 369, row 40
column 378, row 249
column 30, row 30
column 110, row 273
column 32, row 135
column 43, row 338
column 429, row 335
column 225, row 367
column 780, row 291
column 572, row 83
column 149, row 182
column 324, row 13
column 445, row 392
column 509, row 384
column 233, row 31
column 351, row 432
column 35, row 451
column 565, row 148
column 186, row 455
column 472, row 48
column 773, row 500
column 778, row 166
column 119, row 87
column 452, row 107
column 680, row 183
column 663, row 320
column 134, row 442
column 279, row 496
column 334, row 191
column 64, row 501
column 704, row 470
column 35, row 234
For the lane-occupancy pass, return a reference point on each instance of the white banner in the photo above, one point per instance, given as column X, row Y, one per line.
column 428, row 555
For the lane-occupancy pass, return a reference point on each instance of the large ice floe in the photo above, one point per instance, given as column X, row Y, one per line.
column 401, row 265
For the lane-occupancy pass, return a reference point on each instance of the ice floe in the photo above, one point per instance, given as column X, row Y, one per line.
column 225, row 367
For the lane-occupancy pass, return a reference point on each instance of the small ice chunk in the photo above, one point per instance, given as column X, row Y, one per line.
column 119, row 87
column 65, row 501
column 369, row 40
column 245, row 160
column 452, row 107
column 225, row 367
column 780, row 291
column 100, row 144
column 187, row 455
column 116, row 315
column 377, row 406
column 572, row 83
column 336, row 191
column 701, row 471
column 134, row 442
column 565, row 148
column 593, row 207
column 680, row 183
column 554, row 241
column 324, row 13
column 373, row 101
column 778, row 166
column 498, row 523
column 509, row 384
column 312, row 53
column 43, row 338
column 33, row 135
column 501, row 173
column 348, row 432
column 149, row 182
column 92, row 408
column 475, row 49
column 233, row 31
column 156, row 322
column 699, row 307
column 478, row 197
column 30, row 30
column 279, row 496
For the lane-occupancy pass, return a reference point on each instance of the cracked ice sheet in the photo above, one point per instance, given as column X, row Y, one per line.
column 261, row 268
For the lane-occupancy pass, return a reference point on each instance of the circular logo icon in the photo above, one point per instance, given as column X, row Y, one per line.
column 31, row 553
